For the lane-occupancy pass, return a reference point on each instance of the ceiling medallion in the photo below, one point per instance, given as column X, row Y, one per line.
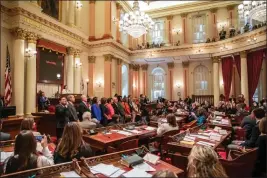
column 136, row 23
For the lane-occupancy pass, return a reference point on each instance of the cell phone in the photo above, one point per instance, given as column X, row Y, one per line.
column 39, row 138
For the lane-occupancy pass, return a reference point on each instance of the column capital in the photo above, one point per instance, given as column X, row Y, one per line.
column 170, row 65
column 185, row 64
column 77, row 53
column 91, row 59
column 32, row 37
column 92, row 2
column 215, row 59
column 144, row 66
column 213, row 10
column 230, row 7
column 243, row 54
column 135, row 67
column 170, row 17
column 70, row 51
column 183, row 15
column 119, row 61
column 108, row 57
column 19, row 33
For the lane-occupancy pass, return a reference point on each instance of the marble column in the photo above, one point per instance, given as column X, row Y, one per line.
column 78, row 16
column 184, row 16
column 107, row 75
column 119, row 75
column 77, row 72
column 18, row 84
column 244, row 76
column 70, row 69
column 92, row 20
column 170, row 71
column 108, row 33
column 130, row 41
column 216, row 82
column 264, row 77
column 214, row 22
column 30, row 97
column 144, row 76
column 91, row 61
column 169, row 30
column 71, row 16
column 118, row 13
column 230, row 10
column 186, row 77
column 131, row 79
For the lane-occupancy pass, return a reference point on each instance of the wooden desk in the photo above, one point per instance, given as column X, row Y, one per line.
column 223, row 126
column 47, row 123
column 114, row 158
column 184, row 149
column 12, row 124
column 102, row 140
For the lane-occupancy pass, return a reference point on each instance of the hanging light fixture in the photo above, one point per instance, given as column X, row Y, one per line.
column 253, row 10
column 136, row 23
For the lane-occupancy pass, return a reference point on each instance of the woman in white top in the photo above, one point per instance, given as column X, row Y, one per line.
column 25, row 154
column 170, row 125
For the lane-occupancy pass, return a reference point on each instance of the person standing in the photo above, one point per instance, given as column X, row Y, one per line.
column 62, row 116
column 83, row 107
column 72, row 110
column 66, row 90
column 96, row 111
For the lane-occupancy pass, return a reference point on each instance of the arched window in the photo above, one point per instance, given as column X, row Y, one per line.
column 124, row 82
column 199, row 28
column 157, row 33
column 201, row 74
column 158, row 83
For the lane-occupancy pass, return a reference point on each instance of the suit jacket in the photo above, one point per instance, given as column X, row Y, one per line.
column 251, row 142
column 1, row 102
column 73, row 112
column 62, row 116
column 248, row 123
column 82, row 108
column 116, row 109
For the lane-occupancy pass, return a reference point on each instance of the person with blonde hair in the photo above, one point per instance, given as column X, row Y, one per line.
column 164, row 173
column 71, row 145
column 203, row 162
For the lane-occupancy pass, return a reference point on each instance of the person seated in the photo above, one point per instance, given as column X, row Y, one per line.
column 3, row 136
column 170, row 125
column 25, row 154
column 65, row 90
column 208, row 40
column 263, row 105
column 260, row 164
column 164, row 174
column 43, row 102
column 29, row 124
column 222, row 34
column 117, row 109
column 203, row 161
column 199, row 116
column 255, row 105
column 88, row 122
column 257, row 114
column 96, row 111
column 104, row 111
column 72, row 145
column 126, row 108
column 248, row 123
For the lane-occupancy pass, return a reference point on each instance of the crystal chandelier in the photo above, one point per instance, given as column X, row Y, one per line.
column 253, row 10
column 136, row 23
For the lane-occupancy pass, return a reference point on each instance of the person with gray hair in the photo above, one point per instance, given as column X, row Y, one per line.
column 88, row 122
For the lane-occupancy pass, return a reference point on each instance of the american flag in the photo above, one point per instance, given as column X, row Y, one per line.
column 8, row 85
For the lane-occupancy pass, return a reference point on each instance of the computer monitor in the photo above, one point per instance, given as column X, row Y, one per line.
column 7, row 111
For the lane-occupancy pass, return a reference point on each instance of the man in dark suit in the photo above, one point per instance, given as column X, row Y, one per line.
column 117, row 109
column 83, row 107
column 72, row 110
column 62, row 116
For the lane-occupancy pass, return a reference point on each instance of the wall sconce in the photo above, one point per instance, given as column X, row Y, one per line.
column 29, row 52
column 223, row 47
column 178, row 85
column 87, row 81
column 199, row 51
column 134, row 85
column 177, row 31
column 58, row 78
column 79, row 4
column 221, row 83
column 99, row 83
column 78, row 64
column 252, row 40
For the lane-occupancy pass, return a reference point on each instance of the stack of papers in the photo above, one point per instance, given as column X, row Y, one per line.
column 150, row 128
column 205, row 143
column 225, row 121
column 217, row 129
column 69, row 174
column 122, row 132
column 222, row 132
column 107, row 170
column 145, row 167
column 189, row 138
column 215, row 136
column 5, row 155
column 136, row 173
column 151, row 158
column 134, row 131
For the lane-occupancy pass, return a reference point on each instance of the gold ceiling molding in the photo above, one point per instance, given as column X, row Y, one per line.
column 33, row 21
column 188, row 8
column 215, row 59
column 170, row 65
column 19, row 33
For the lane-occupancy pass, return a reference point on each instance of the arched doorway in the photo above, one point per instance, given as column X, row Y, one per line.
column 158, row 83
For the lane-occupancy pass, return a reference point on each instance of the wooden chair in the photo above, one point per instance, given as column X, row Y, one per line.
column 130, row 144
column 240, row 164
column 180, row 161
column 163, row 140
column 240, row 134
